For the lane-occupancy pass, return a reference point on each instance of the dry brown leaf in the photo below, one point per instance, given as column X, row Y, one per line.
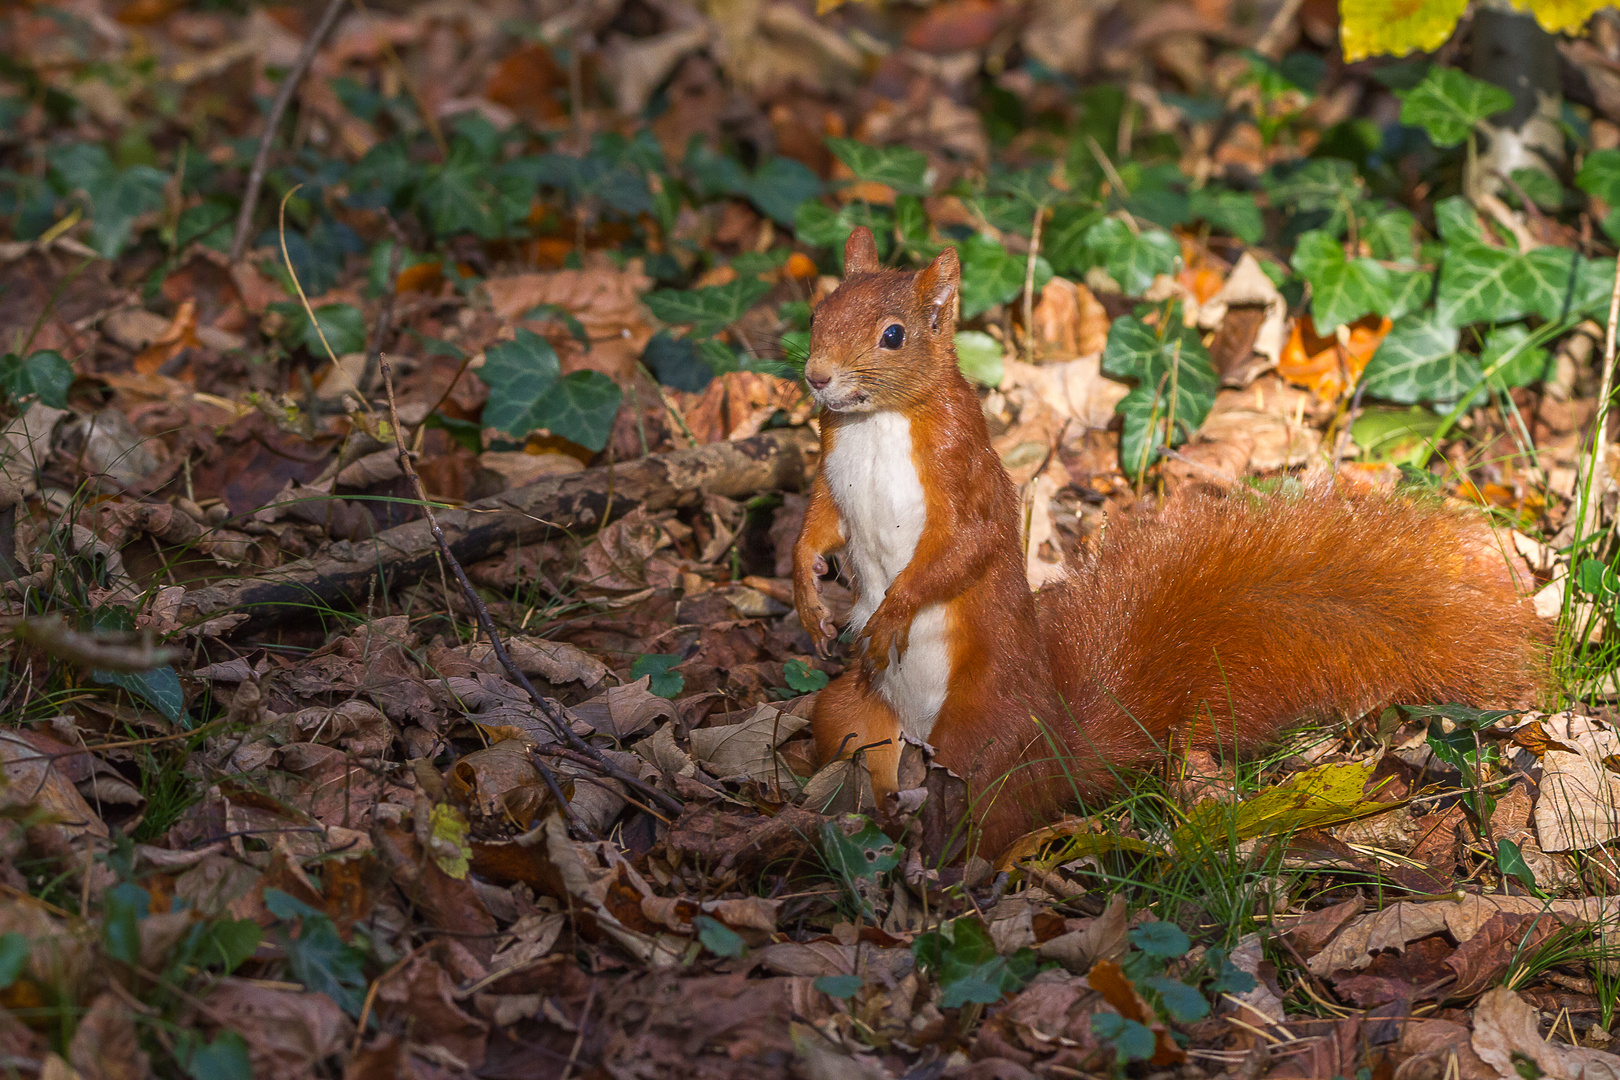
column 1407, row 921
column 1507, row 1034
column 748, row 748
column 288, row 1033
column 1579, row 803
column 1103, row 939
column 1068, row 321
column 1506, row 937
column 623, row 711
column 105, row 1046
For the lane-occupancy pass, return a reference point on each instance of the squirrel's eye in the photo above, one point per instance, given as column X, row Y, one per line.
column 893, row 337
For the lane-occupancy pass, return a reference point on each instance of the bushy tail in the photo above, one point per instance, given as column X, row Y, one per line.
column 1221, row 621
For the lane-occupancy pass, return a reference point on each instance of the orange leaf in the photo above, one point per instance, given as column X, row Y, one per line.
column 550, row 251
column 423, row 277
column 1311, row 361
column 179, row 335
column 1325, row 365
column 1107, row 979
column 526, row 81
column 1534, row 738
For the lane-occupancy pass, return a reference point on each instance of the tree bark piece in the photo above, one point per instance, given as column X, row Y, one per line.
column 344, row 571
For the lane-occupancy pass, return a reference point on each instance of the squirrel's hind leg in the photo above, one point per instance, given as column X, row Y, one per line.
column 850, row 716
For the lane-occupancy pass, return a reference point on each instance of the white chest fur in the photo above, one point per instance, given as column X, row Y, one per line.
column 873, row 478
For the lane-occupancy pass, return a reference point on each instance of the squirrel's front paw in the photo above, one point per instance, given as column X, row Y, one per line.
column 813, row 613
column 887, row 633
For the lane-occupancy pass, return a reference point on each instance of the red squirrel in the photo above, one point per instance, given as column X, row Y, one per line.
column 1213, row 624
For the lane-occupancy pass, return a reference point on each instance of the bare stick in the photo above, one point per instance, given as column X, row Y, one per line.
column 289, row 86
column 1029, row 284
column 409, row 469
column 1601, row 420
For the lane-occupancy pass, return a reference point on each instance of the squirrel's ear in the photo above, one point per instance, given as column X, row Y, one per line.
column 860, row 252
column 937, row 284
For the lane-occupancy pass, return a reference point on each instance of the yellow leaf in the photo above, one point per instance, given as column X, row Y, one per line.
column 1562, row 16
column 1325, row 795
column 1397, row 27
column 448, row 840
column 1075, row 838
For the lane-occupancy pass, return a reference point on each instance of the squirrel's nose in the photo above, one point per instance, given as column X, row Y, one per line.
column 817, row 382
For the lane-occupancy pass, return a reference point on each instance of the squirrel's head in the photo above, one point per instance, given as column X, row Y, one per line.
column 881, row 338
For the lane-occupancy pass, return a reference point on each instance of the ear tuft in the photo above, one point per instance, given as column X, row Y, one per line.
column 937, row 285
column 860, row 252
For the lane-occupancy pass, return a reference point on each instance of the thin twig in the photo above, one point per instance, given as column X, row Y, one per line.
column 484, row 620
column 1272, row 37
column 579, row 1035
column 1029, row 284
column 289, row 86
column 1598, row 438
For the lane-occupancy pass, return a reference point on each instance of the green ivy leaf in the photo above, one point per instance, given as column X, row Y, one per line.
column 14, row 953
column 979, row 356
column 1231, row 211
column 526, row 393
column 226, row 1058
column 114, row 197
column 1330, row 184
column 1510, row 860
column 125, row 905
column 803, row 678
column 1457, row 222
column 842, row 987
column 1164, row 940
column 962, row 957
column 993, row 275
column 780, row 186
column 817, row 223
column 1342, row 290
column 1541, row 187
column 861, row 856
column 1521, row 364
column 159, row 688
column 1133, row 259
column 1600, row 175
column 1135, row 351
column 719, row 938
column 1418, row 361
column 675, row 362
column 1063, row 241
column 1182, row 1002
column 44, row 376
column 580, row 407
column 1390, row 234
column 1594, row 285
column 1409, row 291
column 710, row 309
column 664, row 682
column 228, row 943
column 1132, row 1041
column 317, row 957
column 1480, row 283
column 1448, row 103
column 519, row 373
column 1229, row 978
column 900, row 167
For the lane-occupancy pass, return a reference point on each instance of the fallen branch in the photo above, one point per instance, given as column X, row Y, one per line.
column 346, row 570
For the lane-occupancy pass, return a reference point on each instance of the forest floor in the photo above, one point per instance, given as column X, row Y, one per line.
column 278, row 807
